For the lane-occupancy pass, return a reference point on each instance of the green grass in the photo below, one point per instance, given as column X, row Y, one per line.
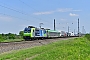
column 73, row 49
column 11, row 40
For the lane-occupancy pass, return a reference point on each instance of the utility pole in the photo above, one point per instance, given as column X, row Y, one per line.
column 83, row 30
column 74, row 31
column 54, row 24
column 78, row 26
column 68, row 29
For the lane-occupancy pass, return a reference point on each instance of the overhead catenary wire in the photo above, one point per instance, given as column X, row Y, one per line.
column 3, row 6
column 32, row 7
column 37, row 11
column 13, row 16
column 19, row 11
column 22, row 13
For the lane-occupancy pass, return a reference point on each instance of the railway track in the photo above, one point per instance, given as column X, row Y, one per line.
column 8, row 46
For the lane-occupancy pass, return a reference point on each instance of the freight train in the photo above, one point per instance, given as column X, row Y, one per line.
column 32, row 33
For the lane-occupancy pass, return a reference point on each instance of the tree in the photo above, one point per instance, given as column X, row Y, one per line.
column 11, row 36
column 21, row 33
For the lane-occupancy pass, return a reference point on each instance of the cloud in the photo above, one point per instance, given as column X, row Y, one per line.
column 72, row 14
column 43, row 13
column 5, row 18
column 57, row 10
column 66, row 10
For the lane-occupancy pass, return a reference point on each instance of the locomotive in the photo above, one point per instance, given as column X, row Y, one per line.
column 31, row 33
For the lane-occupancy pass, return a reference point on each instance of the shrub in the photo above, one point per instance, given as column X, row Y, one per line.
column 87, row 36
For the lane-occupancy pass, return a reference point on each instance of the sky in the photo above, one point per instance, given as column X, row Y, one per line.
column 15, row 15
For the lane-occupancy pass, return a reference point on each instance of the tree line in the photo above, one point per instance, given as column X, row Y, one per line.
column 11, row 36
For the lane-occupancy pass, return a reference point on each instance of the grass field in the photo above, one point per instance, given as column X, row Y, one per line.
column 73, row 49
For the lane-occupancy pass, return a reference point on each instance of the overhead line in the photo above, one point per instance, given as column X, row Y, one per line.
column 18, row 17
column 27, row 4
column 30, row 6
column 14, row 16
column 18, row 11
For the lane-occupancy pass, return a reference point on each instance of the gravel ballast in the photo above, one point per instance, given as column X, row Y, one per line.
column 5, row 47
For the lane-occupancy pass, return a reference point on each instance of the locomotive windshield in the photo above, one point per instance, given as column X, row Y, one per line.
column 27, row 30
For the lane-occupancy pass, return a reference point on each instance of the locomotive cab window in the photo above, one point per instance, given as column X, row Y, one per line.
column 27, row 30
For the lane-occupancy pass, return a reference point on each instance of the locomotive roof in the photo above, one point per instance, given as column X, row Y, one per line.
column 31, row 27
column 42, row 28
